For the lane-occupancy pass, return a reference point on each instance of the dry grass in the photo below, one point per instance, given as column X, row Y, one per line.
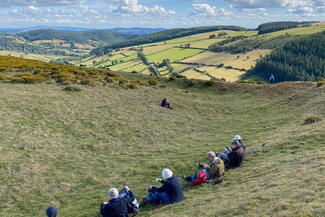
column 192, row 74
column 231, row 75
column 67, row 149
column 241, row 61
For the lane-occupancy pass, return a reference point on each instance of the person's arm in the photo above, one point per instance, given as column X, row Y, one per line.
column 102, row 208
column 163, row 188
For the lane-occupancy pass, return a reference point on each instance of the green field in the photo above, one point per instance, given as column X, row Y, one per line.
column 66, row 149
column 197, row 55
column 174, row 54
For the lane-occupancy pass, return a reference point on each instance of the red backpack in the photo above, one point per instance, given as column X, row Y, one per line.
column 201, row 177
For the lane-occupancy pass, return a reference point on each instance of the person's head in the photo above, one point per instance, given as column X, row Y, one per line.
column 51, row 211
column 112, row 193
column 235, row 144
column 166, row 173
column 211, row 155
column 237, row 137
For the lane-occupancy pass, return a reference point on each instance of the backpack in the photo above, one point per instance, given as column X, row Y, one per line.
column 201, row 177
column 133, row 205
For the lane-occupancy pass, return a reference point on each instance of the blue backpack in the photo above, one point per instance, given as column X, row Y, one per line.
column 133, row 205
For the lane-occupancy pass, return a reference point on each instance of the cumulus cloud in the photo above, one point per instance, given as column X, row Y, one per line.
column 207, row 10
column 76, row 14
column 9, row 3
column 275, row 3
column 132, row 7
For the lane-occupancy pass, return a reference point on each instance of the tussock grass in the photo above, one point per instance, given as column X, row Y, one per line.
column 68, row 149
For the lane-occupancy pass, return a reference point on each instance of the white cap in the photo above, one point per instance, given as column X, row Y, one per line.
column 113, row 193
column 237, row 137
column 167, row 173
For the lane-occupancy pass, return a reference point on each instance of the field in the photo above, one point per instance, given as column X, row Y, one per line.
column 193, row 52
column 67, row 148
column 245, row 61
column 40, row 57
column 192, row 74
column 231, row 75
column 174, row 54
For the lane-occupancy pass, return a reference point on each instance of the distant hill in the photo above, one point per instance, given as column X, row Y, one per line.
column 136, row 31
column 54, row 45
column 58, row 28
column 127, row 31
column 215, row 54
column 282, row 25
column 164, row 35
column 83, row 37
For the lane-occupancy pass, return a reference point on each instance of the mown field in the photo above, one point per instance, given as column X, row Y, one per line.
column 192, row 52
column 67, row 148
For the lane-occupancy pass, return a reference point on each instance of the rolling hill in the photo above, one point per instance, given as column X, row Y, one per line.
column 217, row 54
column 67, row 148
column 54, row 45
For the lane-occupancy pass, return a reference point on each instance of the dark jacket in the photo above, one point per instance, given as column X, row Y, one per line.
column 235, row 158
column 115, row 208
column 165, row 104
column 172, row 188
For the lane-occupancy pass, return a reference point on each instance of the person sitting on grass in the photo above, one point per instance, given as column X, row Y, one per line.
column 233, row 156
column 115, row 207
column 51, row 211
column 169, row 193
column 208, row 172
column 165, row 104
column 241, row 142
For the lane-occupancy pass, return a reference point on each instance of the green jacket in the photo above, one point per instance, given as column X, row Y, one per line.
column 216, row 169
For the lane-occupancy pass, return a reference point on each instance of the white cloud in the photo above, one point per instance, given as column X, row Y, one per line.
column 74, row 14
column 9, row 3
column 276, row 3
column 133, row 7
column 207, row 10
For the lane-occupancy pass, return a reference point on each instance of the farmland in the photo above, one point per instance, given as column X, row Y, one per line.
column 192, row 52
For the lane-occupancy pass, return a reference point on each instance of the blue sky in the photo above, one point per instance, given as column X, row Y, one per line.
column 156, row 13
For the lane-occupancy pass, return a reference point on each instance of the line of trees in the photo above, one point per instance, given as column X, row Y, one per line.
column 302, row 59
column 277, row 26
column 218, row 47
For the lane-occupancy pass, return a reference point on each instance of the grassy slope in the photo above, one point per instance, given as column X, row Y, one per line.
column 67, row 149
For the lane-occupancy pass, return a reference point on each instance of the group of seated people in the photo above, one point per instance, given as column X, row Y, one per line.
column 120, row 204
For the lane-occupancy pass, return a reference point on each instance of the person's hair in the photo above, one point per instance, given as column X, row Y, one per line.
column 211, row 154
column 112, row 193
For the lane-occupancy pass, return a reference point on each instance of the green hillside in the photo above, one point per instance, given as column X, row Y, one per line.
column 53, row 45
column 302, row 59
column 218, row 54
column 162, row 36
column 67, row 148
column 85, row 37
